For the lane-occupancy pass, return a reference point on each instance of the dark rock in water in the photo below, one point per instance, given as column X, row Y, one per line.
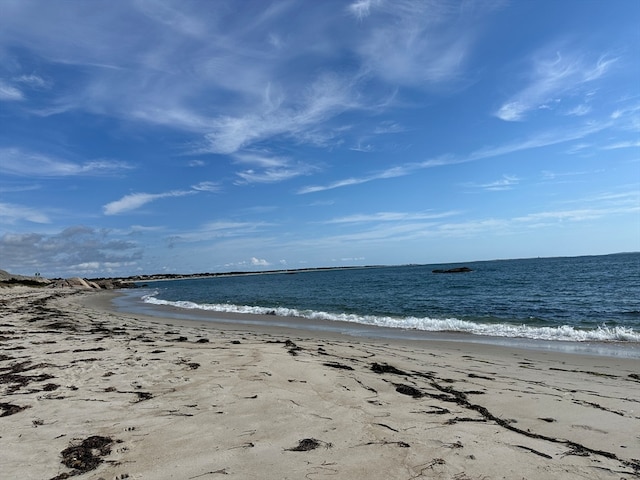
column 453, row 270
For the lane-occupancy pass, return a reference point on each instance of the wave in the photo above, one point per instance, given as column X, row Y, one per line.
column 562, row 333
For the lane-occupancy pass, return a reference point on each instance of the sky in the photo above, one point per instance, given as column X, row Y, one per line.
column 180, row 136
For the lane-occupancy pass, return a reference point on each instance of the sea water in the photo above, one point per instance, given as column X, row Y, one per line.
column 571, row 299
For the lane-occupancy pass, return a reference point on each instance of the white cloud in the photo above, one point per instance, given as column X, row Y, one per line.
column 415, row 43
column 11, row 213
column 253, row 262
column 9, row 93
column 552, row 76
column 16, row 161
column 33, row 81
column 69, row 252
column 391, row 217
column 296, row 118
column 222, row 229
column 134, row 201
column 224, row 77
column 206, row 187
column 505, row 183
column 360, row 147
column 362, row 8
column 543, row 139
column 260, row 159
column 271, row 169
column 573, row 215
column 337, row 184
column 273, row 175
column 618, row 145
column 261, row 262
column 579, row 110
column 388, row 127
column 597, row 206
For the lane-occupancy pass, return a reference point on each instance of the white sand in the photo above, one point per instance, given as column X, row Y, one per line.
column 228, row 403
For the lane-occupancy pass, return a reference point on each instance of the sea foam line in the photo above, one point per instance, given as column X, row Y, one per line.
column 564, row 332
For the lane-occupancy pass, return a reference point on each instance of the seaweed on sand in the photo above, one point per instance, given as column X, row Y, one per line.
column 307, row 444
column 85, row 456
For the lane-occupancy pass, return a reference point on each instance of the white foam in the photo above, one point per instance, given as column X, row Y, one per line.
column 565, row 332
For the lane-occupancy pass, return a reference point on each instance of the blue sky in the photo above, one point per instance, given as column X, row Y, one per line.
column 154, row 136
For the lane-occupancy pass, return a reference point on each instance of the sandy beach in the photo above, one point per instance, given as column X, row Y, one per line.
column 91, row 393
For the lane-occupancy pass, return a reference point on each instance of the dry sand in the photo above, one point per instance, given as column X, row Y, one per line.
column 95, row 394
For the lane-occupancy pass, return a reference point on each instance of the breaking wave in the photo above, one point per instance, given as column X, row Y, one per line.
column 602, row 333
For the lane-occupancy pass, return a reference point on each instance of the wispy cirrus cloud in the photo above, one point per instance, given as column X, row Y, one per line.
column 542, row 139
column 362, row 8
column 133, row 201
column 553, row 75
column 206, row 187
column 298, row 117
column 600, row 205
column 224, row 79
column 9, row 92
column 33, row 81
column 415, row 43
column 272, row 175
column 12, row 213
column 269, row 168
column 576, row 215
column 619, row 145
column 20, row 162
column 507, row 182
column 219, row 230
column 391, row 217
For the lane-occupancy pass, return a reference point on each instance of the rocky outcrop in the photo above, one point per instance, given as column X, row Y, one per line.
column 453, row 270
column 12, row 279
column 75, row 282
column 8, row 279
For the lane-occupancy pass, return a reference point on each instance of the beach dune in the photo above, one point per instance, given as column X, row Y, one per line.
column 90, row 393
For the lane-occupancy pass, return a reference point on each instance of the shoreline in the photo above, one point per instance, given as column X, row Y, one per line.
column 128, row 301
column 187, row 399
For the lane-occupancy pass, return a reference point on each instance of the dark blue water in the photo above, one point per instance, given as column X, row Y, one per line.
column 595, row 298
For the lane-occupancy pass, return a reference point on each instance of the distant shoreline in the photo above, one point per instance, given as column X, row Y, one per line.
column 161, row 277
column 182, row 276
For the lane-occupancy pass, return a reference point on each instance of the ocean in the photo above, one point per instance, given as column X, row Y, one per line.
column 567, row 299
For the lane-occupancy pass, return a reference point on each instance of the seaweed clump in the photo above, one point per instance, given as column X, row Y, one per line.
column 85, row 456
column 307, row 444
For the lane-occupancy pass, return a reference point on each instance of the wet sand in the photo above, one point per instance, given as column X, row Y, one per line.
column 89, row 393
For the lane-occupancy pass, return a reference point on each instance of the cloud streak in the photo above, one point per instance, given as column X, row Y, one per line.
column 11, row 213
column 9, row 93
column 543, row 139
column 133, row 201
column 20, row 162
column 390, row 217
column 269, row 168
column 553, row 76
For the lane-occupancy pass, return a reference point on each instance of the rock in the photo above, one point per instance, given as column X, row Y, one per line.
column 112, row 284
column 11, row 279
column 453, row 270
column 78, row 282
column 8, row 279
